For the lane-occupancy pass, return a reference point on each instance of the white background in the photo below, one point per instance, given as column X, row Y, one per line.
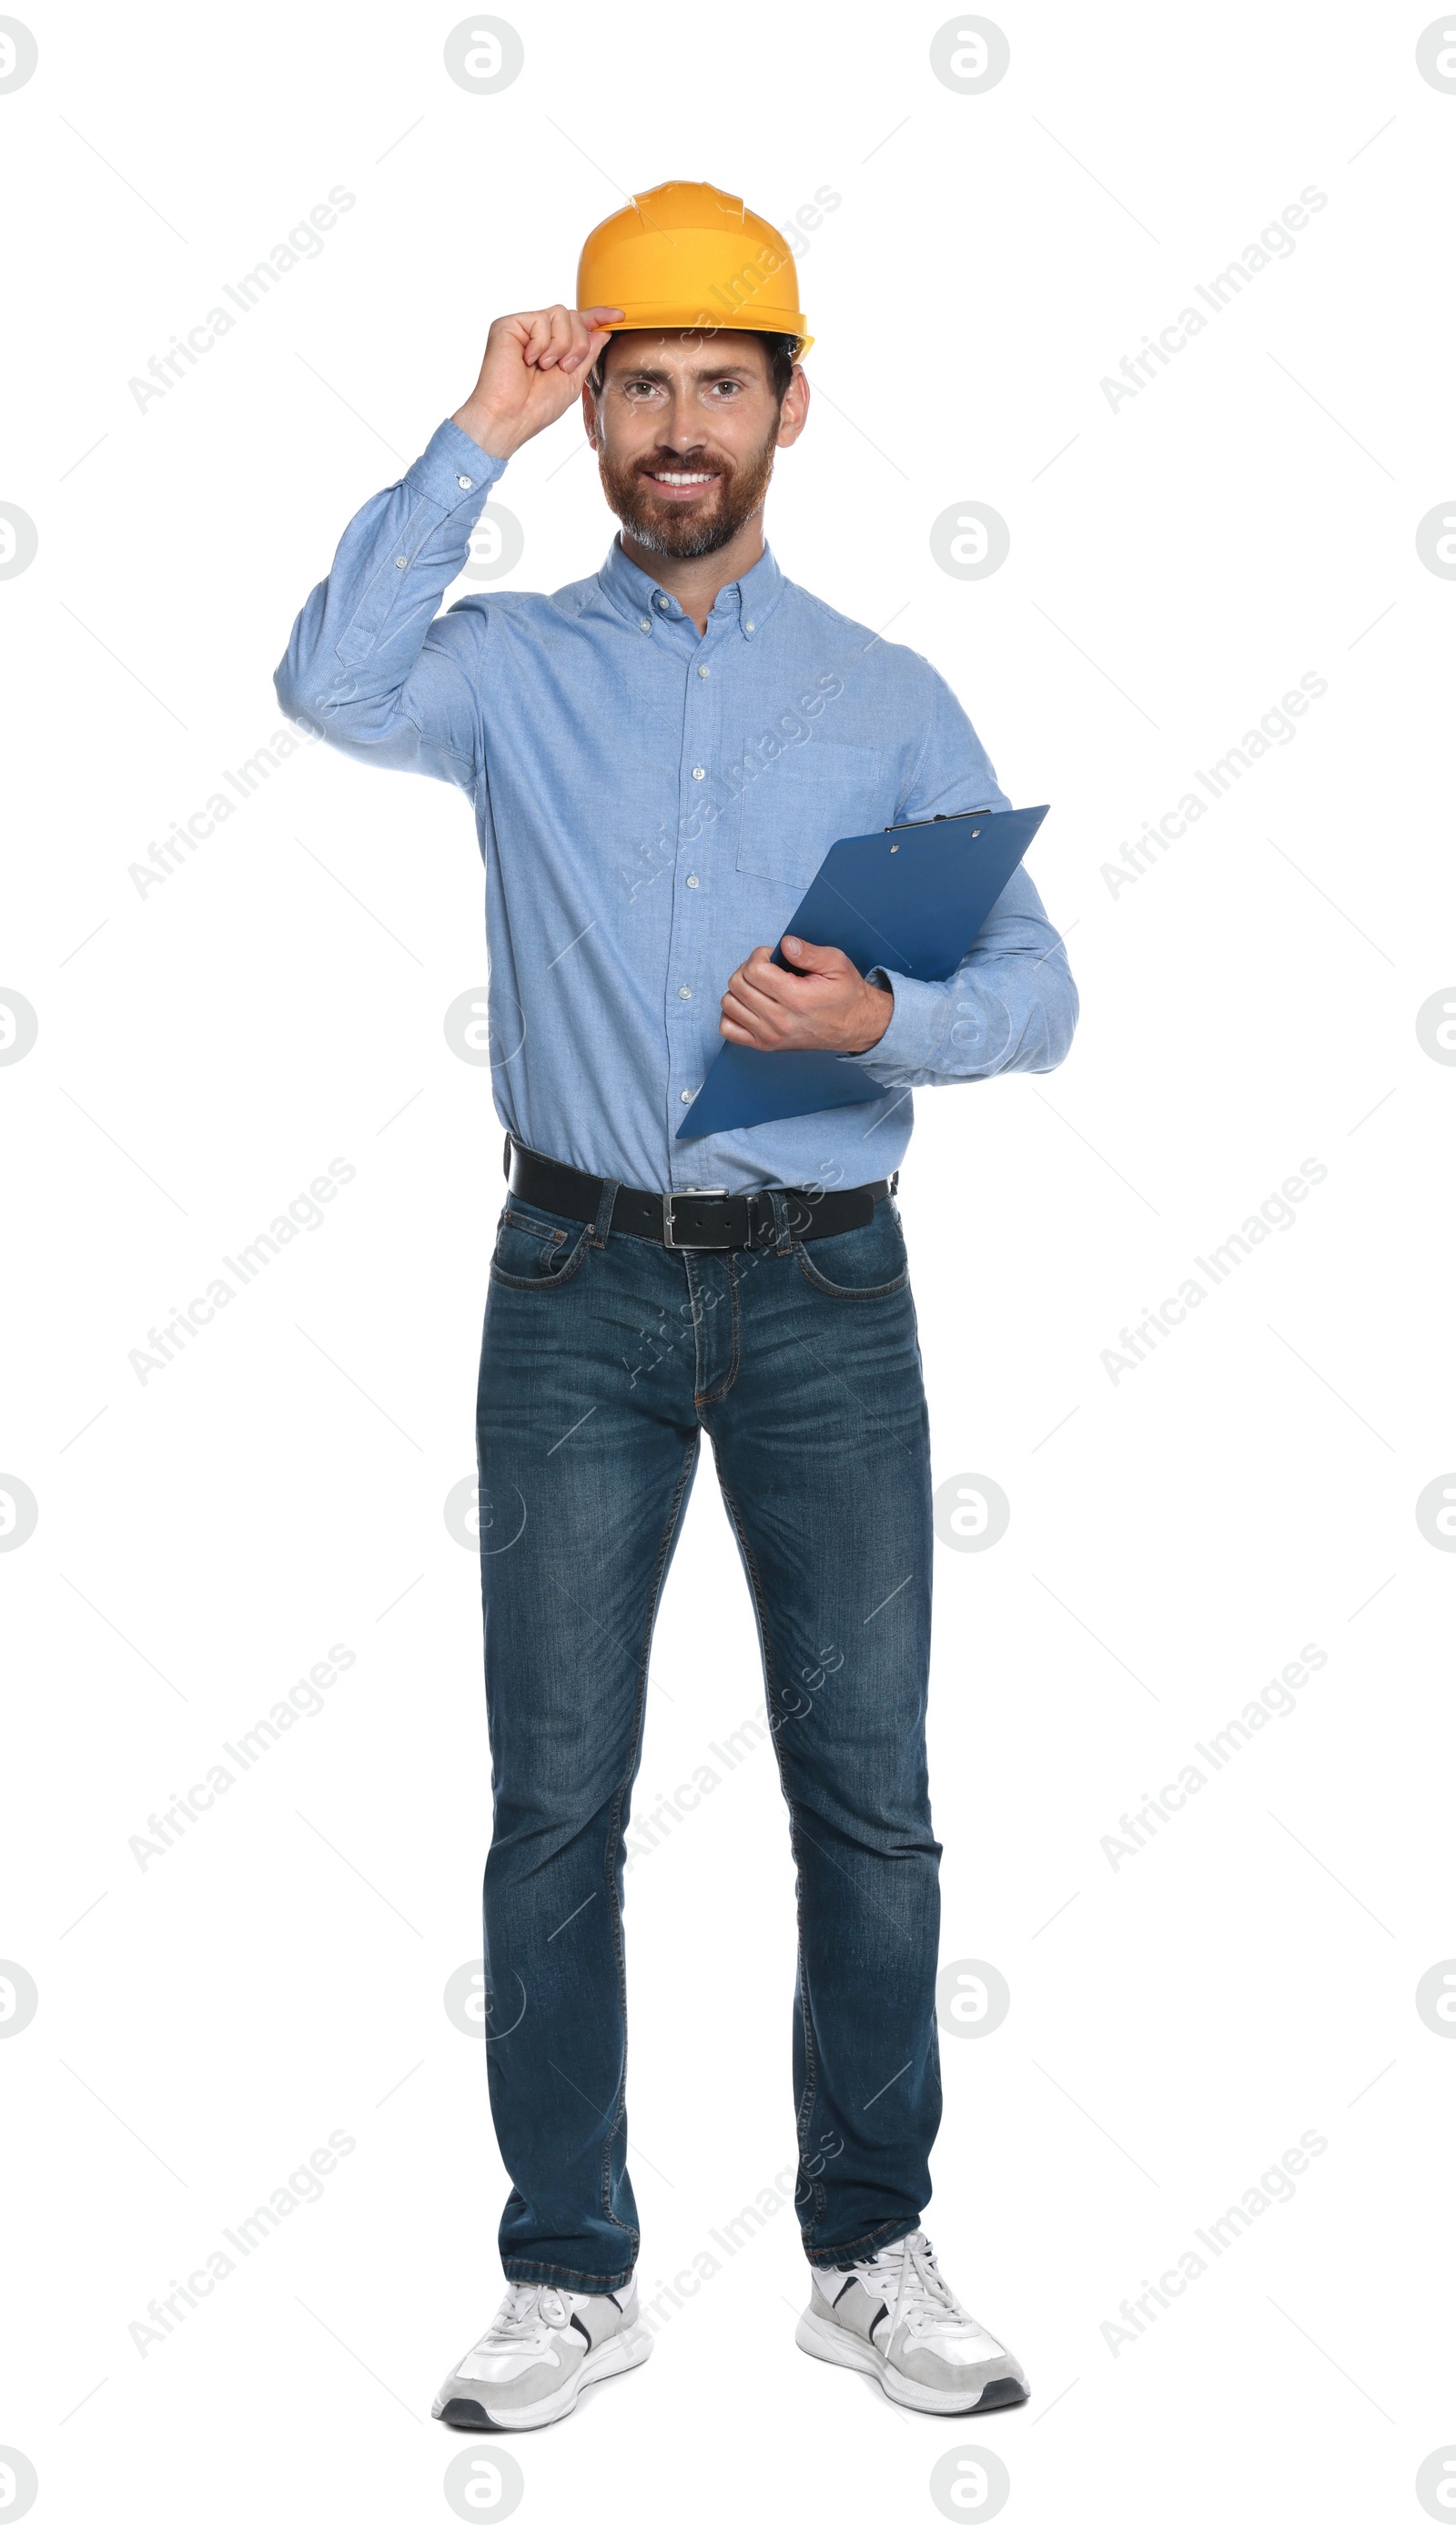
column 204, row 1050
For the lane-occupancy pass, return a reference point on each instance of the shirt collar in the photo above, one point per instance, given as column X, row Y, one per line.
column 750, row 600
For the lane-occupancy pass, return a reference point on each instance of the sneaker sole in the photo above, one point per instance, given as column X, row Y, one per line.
column 834, row 2346
column 632, row 2345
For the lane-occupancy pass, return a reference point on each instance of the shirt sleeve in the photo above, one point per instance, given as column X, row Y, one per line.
column 370, row 665
column 1012, row 1003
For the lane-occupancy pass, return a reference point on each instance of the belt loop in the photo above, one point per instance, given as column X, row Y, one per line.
column 785, row 1242
column 506, row 1166
column 602, row 1216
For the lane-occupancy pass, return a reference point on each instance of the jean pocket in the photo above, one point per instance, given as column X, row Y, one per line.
column 868, row 1262
column 533, row 1251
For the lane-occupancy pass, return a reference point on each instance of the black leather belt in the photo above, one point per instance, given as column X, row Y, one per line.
column 691, row 1222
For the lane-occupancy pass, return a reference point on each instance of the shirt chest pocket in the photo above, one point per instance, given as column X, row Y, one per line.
column 797, row 805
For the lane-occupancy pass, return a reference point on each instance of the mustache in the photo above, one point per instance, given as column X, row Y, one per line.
column 672, row 462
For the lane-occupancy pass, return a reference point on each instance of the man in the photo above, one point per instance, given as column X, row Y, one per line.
column 659, row 757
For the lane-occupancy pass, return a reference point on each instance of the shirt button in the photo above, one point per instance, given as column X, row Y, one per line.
column 686, row 1096
column 465, row 483
column 401, row 562
column 663, row 601
column 702, row 669
column 684, row 993
column 699, row 771
column 749, row 628
column 646, row 626
column 693, row 882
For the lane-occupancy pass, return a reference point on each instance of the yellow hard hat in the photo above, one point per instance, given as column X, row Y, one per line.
column 686, row 254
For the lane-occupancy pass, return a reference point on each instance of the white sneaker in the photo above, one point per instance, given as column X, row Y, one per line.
column 544, row 2345
column 895, row 2316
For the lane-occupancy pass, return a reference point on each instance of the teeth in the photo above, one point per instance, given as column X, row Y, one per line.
column 662, row 478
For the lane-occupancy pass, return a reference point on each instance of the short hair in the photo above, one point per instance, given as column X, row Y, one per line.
column 780, row 352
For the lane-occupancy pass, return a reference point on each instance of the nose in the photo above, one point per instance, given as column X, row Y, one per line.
column 683, row 423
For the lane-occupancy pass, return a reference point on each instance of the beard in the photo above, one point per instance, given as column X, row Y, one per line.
column 665, row 528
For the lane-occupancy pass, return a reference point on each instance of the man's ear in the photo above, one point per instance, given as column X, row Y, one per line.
column 793, row 414
column 589, row 411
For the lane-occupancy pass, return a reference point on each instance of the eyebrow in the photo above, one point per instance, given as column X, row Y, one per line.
column 648, row 371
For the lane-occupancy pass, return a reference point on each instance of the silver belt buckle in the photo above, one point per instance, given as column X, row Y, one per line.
column 694, row 1190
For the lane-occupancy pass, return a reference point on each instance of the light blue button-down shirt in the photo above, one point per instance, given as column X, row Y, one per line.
column 651, row 804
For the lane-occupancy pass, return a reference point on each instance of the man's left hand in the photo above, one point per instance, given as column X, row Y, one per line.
column 831, row 1007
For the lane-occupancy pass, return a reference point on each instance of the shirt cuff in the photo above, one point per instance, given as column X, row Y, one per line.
column 910, row 1038
column 454, row 472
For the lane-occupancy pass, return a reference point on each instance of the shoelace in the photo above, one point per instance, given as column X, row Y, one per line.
column 529, row 2314
column 906, row 2270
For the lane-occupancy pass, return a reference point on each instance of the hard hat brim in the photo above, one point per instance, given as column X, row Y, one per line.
column 669, row 317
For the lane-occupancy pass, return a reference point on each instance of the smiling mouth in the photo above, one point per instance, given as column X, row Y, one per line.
column 680, row 480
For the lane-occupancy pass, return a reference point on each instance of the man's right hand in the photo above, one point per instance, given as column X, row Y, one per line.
column 534, row 367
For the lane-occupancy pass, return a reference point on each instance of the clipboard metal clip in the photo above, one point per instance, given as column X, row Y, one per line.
column 972, row 815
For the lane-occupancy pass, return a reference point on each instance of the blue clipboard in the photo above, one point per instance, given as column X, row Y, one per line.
column 912, row 899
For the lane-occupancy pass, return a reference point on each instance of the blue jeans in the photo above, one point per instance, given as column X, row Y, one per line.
column 605, row 1358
